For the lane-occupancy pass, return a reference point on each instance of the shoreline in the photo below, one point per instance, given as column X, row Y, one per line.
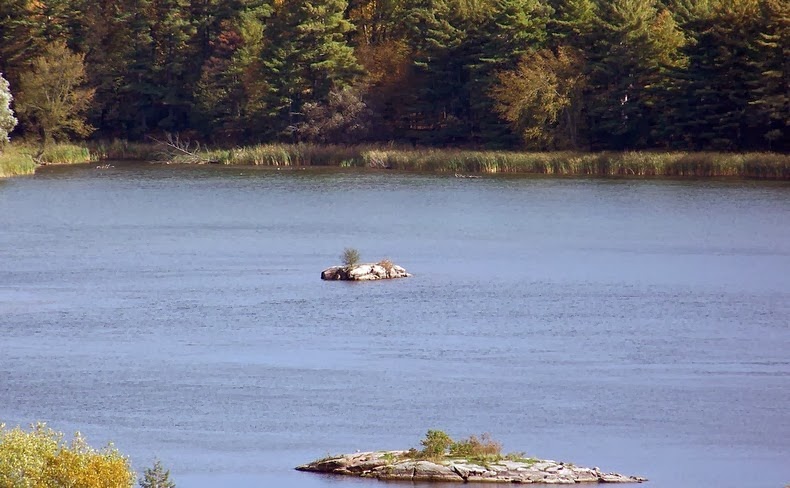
column 17, row 160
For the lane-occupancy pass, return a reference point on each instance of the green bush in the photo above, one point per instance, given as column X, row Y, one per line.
column 435, row 444
column 483, row 447
column 350, row 257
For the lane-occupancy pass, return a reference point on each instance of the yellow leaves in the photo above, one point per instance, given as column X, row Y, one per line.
column 51, row 97
column 534, row 95
column 41, row 459
column 386, row 63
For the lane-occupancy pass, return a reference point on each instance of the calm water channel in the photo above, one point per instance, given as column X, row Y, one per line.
column 638, row 326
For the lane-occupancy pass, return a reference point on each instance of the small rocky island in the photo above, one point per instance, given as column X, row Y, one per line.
column 364, row 272
column 397, row 466
column 472, row 460
column 352, row 270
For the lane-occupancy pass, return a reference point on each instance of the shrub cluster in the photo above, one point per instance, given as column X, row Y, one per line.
column 42, row 459
column 437, row 444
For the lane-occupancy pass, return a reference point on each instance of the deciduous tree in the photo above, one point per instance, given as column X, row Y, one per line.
column 541, row 98
column 52, row 98
column 7, row 119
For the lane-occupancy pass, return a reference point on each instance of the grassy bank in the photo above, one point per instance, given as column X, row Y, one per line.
column 19, row 160
column 14, row 162
column 747, row 165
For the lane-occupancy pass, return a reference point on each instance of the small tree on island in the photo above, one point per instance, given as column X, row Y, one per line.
column 435, row 444
column 156, row 477
column 350, row 257
column 7, row 119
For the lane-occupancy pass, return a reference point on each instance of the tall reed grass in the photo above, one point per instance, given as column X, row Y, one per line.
column 123, row 150
column 288, row 155
column 633, row 163
column 18, row 159
column 15, row 162
column 64, row 153
column 750, row 165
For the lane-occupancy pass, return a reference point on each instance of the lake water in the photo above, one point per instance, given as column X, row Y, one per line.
column 639, row 326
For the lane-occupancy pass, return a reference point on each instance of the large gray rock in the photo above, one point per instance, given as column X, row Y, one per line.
column 427, row 471
column 365, row 272
column 397, row 465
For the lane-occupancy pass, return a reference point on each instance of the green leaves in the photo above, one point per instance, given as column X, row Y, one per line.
column 53, row 98
column 7, row 119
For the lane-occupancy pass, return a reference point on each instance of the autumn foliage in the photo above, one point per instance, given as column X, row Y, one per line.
column 40, row 458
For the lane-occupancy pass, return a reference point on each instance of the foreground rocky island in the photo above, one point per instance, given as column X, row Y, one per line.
column 364, row 272
column 399, row 466
column 475, row 459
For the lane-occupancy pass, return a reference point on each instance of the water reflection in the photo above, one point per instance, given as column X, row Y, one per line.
column 640, row 326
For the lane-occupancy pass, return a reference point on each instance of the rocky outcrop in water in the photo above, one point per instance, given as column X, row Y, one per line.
column 397, row 465
column 365, row 272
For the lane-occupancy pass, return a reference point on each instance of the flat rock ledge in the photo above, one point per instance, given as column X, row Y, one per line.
column 396, row 466
column 364, row 272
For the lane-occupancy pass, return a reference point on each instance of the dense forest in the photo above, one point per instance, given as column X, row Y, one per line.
column 542, row 74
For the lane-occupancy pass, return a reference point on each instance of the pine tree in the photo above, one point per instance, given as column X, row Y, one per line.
column 770, row 88
column 511, row 29
column 156, row 477
column 571, row 21
column 436, row 33
column 711, row 105
column 630, row 46
column 229, row 93
column 305, row 57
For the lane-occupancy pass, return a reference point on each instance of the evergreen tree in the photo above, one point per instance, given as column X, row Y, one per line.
column 230, row 93
column 306, row 55
column 156, row 477
column 571, row 21
column 711, row 105
column 108, row 41
column 631, row 45
column 435, row 34
column 770, row 87
column 511, row 29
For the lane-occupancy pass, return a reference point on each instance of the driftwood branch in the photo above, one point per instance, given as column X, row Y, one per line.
column 185, row 150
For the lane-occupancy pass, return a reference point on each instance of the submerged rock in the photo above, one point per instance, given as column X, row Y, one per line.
column 365, row 272
column 397, row 465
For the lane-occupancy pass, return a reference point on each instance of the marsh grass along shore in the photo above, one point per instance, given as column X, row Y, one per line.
column 18, row 160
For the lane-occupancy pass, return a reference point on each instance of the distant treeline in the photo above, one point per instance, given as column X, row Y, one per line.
column 545, row 74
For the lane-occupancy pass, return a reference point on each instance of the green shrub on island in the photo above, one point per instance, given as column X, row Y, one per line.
column 477, row 447
column 41, row 458
column 350, row 257
column 437, row 445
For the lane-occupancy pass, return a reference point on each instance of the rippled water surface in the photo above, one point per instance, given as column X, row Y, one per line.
column 638, row 326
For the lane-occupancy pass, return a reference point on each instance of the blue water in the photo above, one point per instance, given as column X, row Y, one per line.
column 641, row 326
